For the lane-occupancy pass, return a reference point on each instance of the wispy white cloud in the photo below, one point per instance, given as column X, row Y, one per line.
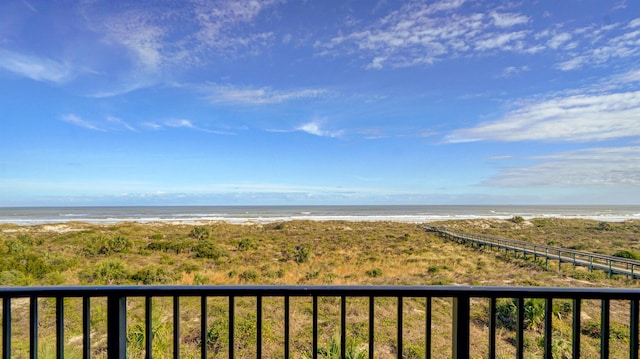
column 599, row 166
column 315, row 128
column 508, row 19
column 558, row 39
column 513, row 71
column 565, row 117
column 119, row 122
column 594, row 46
column 416, row 35
column 164, row 39
column 256, row 96
column 35, row 68
column 423, row 33
column 80, row 122
column 181, row 124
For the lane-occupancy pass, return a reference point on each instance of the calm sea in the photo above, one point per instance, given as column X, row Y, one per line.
column 265, row 214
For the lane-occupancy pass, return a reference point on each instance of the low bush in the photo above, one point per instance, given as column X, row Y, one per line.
column 207, row 250
column 627, row 254
column 246, row 244
column 375, row 272
column 200, row 233
column 153, row 275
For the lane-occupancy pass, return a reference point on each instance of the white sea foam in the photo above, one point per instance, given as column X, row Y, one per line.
column 269, row 214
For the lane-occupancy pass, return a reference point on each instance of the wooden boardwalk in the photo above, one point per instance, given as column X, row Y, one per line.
column 609, row 264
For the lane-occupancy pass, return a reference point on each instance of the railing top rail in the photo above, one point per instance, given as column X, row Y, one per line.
column 538, row 245
column 328, row 291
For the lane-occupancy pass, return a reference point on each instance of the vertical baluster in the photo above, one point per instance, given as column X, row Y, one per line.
column 604, row 329
column 343, row 327
column 314, row 345
column 116, row 326
column 633, row 329
column 176, row 326
column 492, row 327
column 6, row 328
column 520, row 329
column 400, row 324
column 576, row 327
column 204, row 331
column 286, row 327
column 548, row 327
column 428, row 329
column 460, row 337
column 86, row 327
column 59, row 327
column 259, row 327
column 231, row 326
column 148, row 327
column 371, row 325
column 33, row 328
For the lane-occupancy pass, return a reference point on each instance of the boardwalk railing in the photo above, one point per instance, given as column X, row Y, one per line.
column 610, row 264
column 460, row 312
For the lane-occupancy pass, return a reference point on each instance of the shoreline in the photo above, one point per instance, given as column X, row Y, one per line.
column 73, row 226
column 273, row 214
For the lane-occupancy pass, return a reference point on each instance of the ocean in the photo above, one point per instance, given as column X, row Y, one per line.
column 267, row 214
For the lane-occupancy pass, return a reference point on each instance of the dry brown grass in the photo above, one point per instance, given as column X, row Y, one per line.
column 339, row 253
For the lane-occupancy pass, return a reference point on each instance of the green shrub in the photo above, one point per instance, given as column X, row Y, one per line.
column 171, row 246
column 246, row 244
column 516, row 219
column 107, row 246
column 604, row 226
column 301, row 253
column 627, row 254
column 375, row 272
column 249, row 275
column 12, row 277
column 207, row 250
column 507, row 309
column 31, row 264
column 152, row 275
column 108, row 272
column 200, row 233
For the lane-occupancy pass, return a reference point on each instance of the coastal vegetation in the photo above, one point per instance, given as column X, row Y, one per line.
column 310, row 253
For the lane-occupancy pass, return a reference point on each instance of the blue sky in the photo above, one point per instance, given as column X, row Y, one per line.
column 219, row 102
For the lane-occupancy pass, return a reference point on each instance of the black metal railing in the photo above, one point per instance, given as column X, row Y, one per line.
column 609, row 264
column 116, row 298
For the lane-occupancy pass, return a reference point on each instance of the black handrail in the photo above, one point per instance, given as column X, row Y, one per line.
column 462, row 295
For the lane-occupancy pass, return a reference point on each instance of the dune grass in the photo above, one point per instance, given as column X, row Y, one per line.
column 309, row 253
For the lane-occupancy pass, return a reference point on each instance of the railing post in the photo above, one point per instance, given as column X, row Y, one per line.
column 371, row 326
column 633, row 329
column 86, row 327
column 148, row 327
column 604, row 329
column 286, row 327
column 428, row 320
column 176, row 326
column 548, row 327
column 116, row 327
column 232, row 314
column 520, row 328
column 492, row 327
column 59, row 327
column 33, row 328
column 577, row 310
column 399, row 328
column 6, row 328
column 460, row 333
column 204, row 332
column 343, row 326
